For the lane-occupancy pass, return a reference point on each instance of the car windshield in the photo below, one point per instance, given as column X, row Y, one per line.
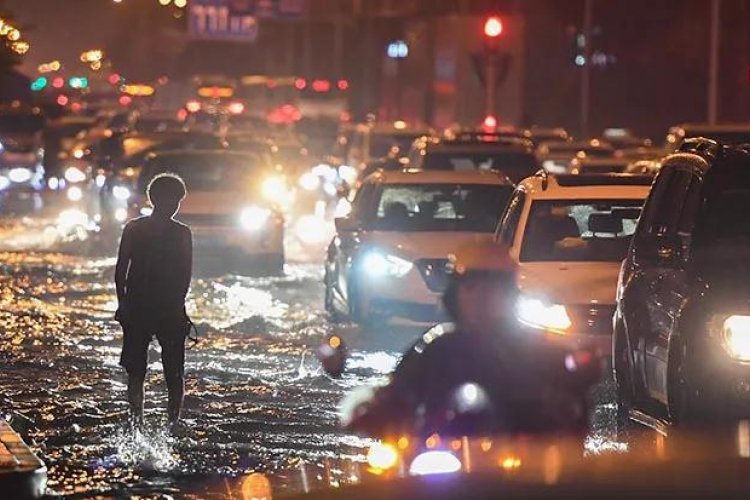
column 439, row 207
column 515, row 164
column 579, row 231
column 146, row 125
column 381, row 144
column 205, row 172
column 21, row 124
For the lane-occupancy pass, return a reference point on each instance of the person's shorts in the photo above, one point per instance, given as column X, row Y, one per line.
column 169, row 331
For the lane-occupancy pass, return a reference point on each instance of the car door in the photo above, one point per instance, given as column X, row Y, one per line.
column 663, row 278
column 346, row 242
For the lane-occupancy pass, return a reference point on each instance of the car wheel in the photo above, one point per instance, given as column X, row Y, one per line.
column 330, row 308
column 623, row 384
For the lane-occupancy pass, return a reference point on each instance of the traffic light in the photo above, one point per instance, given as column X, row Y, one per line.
column 78, row 82
column 39, row 84
column 493, row 27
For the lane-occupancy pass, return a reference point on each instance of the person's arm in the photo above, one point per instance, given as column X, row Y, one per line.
column 123, row 265
column 186, row 267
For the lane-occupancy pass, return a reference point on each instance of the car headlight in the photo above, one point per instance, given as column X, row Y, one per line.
column 382, row 456
column 536, row 313
column 19, row 174
column 274, row 189
column 378, row 264
column 736, row 330
column 74, row 174
column 309, row 181
column 121, row 193
column 254, row 218
column 74, row 193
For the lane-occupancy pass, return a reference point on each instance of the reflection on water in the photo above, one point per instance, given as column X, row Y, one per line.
column 257, row 399
column 258, row 405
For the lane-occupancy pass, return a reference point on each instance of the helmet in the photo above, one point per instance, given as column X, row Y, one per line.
column 483, row 258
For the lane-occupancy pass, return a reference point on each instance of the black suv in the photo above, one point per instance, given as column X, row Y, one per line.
column 681, row 347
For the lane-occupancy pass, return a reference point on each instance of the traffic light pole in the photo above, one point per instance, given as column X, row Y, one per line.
column 491, row 85
column 586, row 68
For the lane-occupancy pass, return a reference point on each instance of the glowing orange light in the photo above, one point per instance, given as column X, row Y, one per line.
column 493, row 27
column 334, row 342
column 75, row 107
column 193, row 106
column 343, row 84
column 236, row 108
column 125, row 100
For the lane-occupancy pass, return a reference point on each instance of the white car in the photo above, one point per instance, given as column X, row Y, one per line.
column 569, row 235
column 232, row 206
column 389, row 257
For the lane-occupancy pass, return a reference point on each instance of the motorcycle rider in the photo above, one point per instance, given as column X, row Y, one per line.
column 533, row 385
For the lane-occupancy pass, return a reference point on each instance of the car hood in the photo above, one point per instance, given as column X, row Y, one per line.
column 570, row 282
column 422, row 245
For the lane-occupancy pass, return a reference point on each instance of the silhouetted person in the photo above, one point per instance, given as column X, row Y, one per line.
column 153, row 272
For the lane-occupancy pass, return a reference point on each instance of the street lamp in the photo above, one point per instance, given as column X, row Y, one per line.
column 493, row 27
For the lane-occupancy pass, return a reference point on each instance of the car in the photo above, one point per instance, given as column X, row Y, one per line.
column 228, row 207
column 389, row 257
column 21, row 153
column 584, row 165
column 556, row 156
column 372, row 141
column 725, row 133
column 514, row 157
column 569, row 234
column 681, row 348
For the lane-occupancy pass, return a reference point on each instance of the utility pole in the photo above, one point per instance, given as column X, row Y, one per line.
column 588, row 15
column 713, row 63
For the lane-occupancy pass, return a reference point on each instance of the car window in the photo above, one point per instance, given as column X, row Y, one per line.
column 511, row 217
column 691, row 206
column 517, row 165
column 438, row 207
column 579, row 230
column 667, row 216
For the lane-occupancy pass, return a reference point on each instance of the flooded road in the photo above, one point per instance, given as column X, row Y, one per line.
column 257, row 399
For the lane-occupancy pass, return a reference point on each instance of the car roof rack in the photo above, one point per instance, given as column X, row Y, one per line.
column 569, row 180
column 544, row 175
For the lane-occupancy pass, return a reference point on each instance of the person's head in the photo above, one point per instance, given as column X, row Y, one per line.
column 483, row 291
column 165, row 192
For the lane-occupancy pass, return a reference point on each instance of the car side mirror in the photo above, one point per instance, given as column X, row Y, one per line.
column 332, row 355
column 346, row 224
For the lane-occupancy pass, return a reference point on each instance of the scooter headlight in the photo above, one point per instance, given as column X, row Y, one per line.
column 536, row 313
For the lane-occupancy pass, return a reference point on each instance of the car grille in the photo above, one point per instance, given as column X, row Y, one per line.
column 434, row 272
column 591, row 319
column 208, row 219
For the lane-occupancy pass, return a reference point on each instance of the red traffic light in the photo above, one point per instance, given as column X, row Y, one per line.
column 493, row 27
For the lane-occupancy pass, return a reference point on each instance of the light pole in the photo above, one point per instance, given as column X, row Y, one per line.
column 588, row 14
column 713, row 63
column 493, row 28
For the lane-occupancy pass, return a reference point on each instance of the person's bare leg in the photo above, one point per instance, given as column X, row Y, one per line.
column 136, row 398
column 173, row 361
